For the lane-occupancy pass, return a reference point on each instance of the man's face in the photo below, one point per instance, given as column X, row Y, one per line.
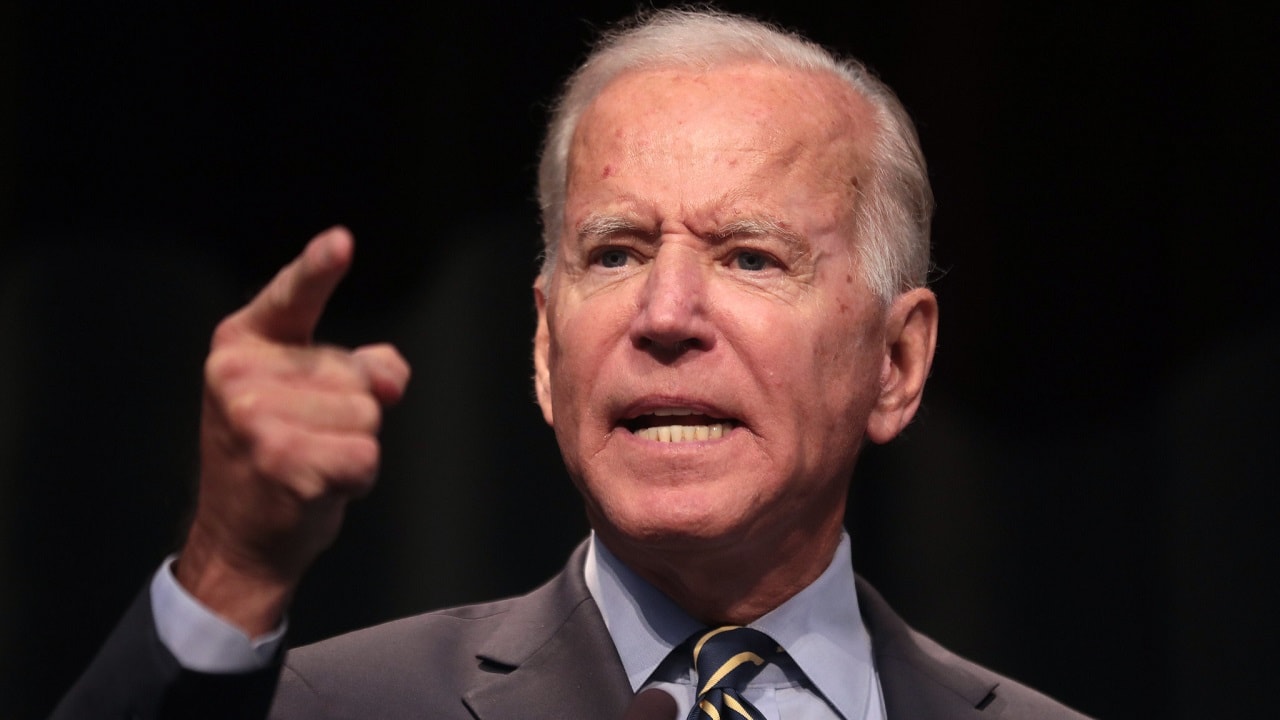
column 708, row 352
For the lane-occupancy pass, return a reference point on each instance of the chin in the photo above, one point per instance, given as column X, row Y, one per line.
column 667, row 520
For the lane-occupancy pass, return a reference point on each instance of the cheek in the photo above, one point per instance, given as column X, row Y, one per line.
column 846, row 365
column 582, row 340
column 804, row 352
column 566, row 372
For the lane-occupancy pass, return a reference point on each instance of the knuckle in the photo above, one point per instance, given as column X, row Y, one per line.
column 243, row 410
column 351, row 373
column 349, row 467
column 370, row 454
column 308, row 486
column 228, row 330
column 367, row 412
column 222, row 365
column 275, row 454
column 327, row 367
column 362, row 452
column 362, row 461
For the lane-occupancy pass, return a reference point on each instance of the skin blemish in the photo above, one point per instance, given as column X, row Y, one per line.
column 608, row 171
column 849, row 278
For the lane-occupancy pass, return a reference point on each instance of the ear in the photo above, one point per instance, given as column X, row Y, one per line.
column 911, row 332
column 541, row 352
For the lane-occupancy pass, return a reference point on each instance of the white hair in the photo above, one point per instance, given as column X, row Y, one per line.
column 894, row 207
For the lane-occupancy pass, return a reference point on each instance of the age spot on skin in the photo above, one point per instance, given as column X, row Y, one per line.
column 608, row 171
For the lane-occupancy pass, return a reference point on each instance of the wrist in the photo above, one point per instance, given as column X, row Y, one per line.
column 251, row 597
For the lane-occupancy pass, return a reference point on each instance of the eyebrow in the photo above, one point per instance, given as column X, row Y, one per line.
column 598, row 227
column 759, row 227
column 601, row 227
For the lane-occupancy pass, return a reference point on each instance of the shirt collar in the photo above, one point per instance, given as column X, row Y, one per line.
column 820, row 627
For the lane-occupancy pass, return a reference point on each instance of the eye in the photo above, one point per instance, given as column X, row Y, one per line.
column 613, row 258
column 752, row 261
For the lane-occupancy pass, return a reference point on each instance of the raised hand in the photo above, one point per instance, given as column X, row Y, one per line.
column 288, row 437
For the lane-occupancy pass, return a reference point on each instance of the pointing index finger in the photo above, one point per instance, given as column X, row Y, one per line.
column 290, row 306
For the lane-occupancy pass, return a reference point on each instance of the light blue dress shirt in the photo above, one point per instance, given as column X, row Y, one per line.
column 199, row 639
column 828, row 671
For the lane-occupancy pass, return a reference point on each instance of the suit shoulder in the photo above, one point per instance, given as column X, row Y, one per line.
column 434, row 636
column 1007, row 698
column 933, row 676
column 920, row 678
column 403, row 635
column 419, row 661
column 431, row 660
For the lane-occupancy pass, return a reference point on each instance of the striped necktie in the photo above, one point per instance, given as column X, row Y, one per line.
column 726, row 659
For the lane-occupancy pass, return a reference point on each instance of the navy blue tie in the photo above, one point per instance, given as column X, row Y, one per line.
column 726, row 659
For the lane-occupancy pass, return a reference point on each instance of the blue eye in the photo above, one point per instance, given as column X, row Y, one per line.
column 752, row 261
column 613, row 258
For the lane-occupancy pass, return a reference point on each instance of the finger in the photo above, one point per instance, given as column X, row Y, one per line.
column 387, row 370
column 289, row 307
column 313, row 465
column 237, row 366
column 308, row 409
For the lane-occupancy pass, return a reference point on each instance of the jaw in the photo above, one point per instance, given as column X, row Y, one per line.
column 720, row 576
column 699, row 495
column 727, row 527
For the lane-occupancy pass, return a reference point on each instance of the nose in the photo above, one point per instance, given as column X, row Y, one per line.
column 672, row 319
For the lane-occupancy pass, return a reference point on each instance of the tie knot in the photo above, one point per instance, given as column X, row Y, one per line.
column 728, row 657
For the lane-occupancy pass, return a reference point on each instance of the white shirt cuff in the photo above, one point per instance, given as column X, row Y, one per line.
column 198, row 638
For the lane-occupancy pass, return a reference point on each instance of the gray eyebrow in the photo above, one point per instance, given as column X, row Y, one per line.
column 759, row 227
column 597, row 227
column 603, row 226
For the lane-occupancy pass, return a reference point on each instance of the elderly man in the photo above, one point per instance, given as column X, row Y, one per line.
column 732, row 303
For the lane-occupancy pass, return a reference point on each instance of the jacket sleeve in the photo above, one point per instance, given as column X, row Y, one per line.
column 134, row 677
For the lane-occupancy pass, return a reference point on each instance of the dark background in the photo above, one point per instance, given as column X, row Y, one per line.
column 1086, row 501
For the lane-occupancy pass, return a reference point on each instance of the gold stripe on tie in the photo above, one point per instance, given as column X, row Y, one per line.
column 729, row 666
column 733, row 704
column 703, row 640
column 710, row 710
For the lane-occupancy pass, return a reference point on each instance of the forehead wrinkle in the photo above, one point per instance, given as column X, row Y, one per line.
column 602, row 225
column 830, row 136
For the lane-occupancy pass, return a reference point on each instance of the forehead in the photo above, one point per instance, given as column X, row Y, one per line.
column 747, row 94
column 777, row 121
column 749, row 83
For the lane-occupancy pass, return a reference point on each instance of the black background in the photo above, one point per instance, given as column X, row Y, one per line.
column 1086, row 501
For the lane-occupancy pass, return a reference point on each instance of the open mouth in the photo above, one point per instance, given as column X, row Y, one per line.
column 678, row 425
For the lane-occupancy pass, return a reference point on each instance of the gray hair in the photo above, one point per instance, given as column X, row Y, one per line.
column 895, row 207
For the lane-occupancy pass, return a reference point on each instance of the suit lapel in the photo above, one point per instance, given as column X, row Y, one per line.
column 552, row 657
column 920, row 680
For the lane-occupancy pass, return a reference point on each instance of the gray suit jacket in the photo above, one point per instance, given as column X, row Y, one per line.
column 542, row 655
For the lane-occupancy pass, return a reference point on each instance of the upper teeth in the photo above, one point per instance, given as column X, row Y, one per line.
column 683, row 433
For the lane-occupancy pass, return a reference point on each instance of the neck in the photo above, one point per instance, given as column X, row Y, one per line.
column 730, row 583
